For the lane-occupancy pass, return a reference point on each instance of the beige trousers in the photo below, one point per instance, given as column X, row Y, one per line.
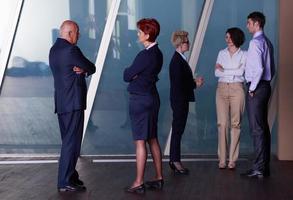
column 230, row 100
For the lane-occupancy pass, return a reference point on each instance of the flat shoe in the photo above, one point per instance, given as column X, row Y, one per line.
column 157, row 184
column 135, row 190
column 222, row 166
column 231, row 166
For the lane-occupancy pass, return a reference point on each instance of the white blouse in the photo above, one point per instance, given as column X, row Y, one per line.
column 233, row 66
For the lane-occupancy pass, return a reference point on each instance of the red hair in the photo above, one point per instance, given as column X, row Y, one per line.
column 149, row 26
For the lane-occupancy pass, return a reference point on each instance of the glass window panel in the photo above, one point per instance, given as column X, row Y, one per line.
column 200, row 135
column 7, row 14
column 27, row 120
column 109, row 130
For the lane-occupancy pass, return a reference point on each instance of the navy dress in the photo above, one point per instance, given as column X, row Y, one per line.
column 144, row 101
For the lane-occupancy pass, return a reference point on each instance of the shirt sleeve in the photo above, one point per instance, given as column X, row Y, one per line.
column 79, row 60
column 255, row 63
column 219, row 73
column 239, row 70
column 139, row 64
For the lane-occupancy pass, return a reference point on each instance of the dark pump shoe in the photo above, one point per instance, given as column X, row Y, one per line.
column 135, row 190
column 182, row 171
column 254, row 174
column 156, row 185
column 72, row 188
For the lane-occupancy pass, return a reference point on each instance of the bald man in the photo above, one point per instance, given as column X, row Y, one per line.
column 69, row 67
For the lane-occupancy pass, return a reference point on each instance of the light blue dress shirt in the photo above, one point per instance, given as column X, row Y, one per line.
column 260, row 60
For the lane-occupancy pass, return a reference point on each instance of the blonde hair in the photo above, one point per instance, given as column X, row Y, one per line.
column 178, row 37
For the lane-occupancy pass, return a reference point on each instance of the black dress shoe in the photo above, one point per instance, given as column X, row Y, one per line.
column 72, row 188
column 267, row 173
column 135, row 190
column 183, row 171
column 253, row 174
column 77, row 182
column 157, row 184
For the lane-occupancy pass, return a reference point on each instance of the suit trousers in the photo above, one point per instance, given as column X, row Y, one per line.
column 257, row 108
column 180, row 113
column 71, row 128
column 230, row 107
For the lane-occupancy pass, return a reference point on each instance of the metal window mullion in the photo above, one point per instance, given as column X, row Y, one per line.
column 103, row 49
column 198, row 41
column 5, row 54
column 196, row 48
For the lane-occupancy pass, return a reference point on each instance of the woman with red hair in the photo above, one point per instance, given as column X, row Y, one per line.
column 144, row 104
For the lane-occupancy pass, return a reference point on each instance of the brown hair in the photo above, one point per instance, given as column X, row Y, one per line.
column 237, row 36
column 257, row 17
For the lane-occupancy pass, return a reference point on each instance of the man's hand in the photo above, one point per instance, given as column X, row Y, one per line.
column 251, row 93
column 199, row 81
column 78, row 70
column 219, row 67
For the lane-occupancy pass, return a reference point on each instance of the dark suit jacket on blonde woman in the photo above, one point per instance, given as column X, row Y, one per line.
column 181, row 93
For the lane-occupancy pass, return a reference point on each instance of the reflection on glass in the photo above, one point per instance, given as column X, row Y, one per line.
column 109, row 130
column 7, row 14
column 201, row 131
column 27, row 120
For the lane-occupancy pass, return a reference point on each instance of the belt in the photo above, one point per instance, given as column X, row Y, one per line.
column 261, row 81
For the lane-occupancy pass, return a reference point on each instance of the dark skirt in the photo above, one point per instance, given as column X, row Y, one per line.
column 143, row 112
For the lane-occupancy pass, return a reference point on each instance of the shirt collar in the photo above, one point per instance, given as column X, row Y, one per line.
column 227, row 51
column 258, row 33
column 182, row 55
column 151, row 45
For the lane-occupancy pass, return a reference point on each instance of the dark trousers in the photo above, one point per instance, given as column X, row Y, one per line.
column 180, row 113
column 257, row 108
column 71, row 128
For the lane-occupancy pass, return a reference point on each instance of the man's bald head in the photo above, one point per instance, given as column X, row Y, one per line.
column 69, row 31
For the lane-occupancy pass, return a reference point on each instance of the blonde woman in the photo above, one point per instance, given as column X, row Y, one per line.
column 182, row 85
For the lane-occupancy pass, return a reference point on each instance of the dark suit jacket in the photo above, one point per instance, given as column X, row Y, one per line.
column 70, row 88
column 181, row 80
column 143, row 73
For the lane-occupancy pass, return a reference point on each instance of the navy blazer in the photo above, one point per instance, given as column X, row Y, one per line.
column 142, row 75
column 70, row 88
column 181, row 79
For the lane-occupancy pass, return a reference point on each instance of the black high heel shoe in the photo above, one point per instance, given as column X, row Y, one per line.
column 136, row 190
column 157, row 184
column 183, row 171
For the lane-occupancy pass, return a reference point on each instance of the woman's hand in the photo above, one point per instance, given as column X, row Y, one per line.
column 219, row 67
column 199, row 81
column 78, row 70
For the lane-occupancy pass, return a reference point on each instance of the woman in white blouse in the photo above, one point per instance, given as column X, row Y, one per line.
column 230, row 96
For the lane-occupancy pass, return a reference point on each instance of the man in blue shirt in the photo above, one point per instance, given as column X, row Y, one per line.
column 259, row 71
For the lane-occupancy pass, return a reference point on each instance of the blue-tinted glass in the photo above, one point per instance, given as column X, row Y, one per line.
column 7, row 15
column 201, row 131
column 109, row 130
column 27, row 120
